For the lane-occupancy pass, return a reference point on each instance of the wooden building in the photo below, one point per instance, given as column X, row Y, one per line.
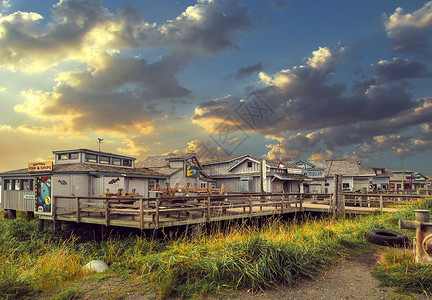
column 242, row 173
column 355, row 176
column 181, row 169
column 79, row 172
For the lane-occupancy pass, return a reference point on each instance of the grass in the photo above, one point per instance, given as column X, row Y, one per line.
column 220, row 262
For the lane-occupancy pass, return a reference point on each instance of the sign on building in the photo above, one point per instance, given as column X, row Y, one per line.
column 40, row 166
column 192, row 171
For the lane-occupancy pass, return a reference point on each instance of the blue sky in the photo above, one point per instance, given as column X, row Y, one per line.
column 284, row 80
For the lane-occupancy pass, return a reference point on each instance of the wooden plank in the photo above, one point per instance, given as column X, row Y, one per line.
column 157, row 215
column 77, row 201
column 107, row 213
column 141, row 214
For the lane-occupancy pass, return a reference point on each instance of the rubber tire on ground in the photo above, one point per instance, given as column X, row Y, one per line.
column 387, row 238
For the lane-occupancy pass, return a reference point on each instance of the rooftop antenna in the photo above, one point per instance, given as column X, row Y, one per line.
column 100, row 142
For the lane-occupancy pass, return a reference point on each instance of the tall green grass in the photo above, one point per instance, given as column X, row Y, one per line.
column 238, row 257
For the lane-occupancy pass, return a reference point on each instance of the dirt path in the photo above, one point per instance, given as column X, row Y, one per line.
column 350, row 279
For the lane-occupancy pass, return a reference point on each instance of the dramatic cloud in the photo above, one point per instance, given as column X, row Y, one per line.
column 302, row 98
column 309, row 114
column 206, row 27
column 83, row 28
column 399, row 69
column 411, row 31
column 121, row 96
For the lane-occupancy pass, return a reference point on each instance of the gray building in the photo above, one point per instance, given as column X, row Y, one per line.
column 242, row 173
column 181, row 169
column 78, row 172
column 355, row 176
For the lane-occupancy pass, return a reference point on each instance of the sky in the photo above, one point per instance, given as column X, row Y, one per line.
column 282, row 80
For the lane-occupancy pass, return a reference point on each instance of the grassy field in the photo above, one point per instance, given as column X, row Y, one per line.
column 238, row 257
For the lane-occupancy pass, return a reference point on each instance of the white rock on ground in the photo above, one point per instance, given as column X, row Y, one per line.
column 97, row 265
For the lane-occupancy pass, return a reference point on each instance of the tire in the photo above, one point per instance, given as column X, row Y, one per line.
column 387, row 238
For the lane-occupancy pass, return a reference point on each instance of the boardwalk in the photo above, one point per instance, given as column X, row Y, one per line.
column 155, row 213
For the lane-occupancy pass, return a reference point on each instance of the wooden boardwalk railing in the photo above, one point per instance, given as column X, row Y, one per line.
column 154, row 213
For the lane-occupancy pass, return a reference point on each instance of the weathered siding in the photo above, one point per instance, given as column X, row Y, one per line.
column 14, row 199
column 140, row 185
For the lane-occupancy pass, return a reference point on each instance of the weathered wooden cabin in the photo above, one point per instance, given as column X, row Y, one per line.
column 242, row 173
column 79, row 172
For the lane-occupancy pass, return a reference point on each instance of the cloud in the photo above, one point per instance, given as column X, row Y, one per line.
column 119, row 97
column 83, row 29
column 313, row 114
column 206, row 27
column 134, row 148
column 249, row 70
column 302, row 98
column 399, row 69
column 411, row 31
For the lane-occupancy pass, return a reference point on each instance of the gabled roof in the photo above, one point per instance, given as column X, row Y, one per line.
column 241, row 161
column 347, row 167
column 161, row 161
column 303, row 161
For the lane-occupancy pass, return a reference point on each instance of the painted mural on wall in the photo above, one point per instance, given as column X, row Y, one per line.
column 43, row 195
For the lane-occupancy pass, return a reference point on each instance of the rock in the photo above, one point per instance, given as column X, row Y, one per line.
column 97, row 266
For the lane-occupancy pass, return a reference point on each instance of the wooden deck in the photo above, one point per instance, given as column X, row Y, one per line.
column 155, row 213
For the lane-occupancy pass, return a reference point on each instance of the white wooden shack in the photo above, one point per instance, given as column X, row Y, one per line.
column 78, row 172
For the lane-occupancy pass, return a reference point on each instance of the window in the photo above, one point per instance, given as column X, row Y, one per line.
column 345, row 185
column 62, row 156
column 127, row 162
column 17, row 184
column 203, row 185
column 153, row 183
column 116, row 161
column 104, row 160
column 73, row 155
column 7, row 185
column 27, row 184
column 249, row 164
column 91, row 158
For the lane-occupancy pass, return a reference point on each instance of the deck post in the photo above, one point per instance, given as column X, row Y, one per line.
column 141, row 213
column 57, row 226
column 282, row 204
column 54, row 207
column 250, row 206
column 157, row 214
column 77, row 209
column 107, row 213
column 381, row 203
column 207, row 214
column 301, row 202
column 41, row 225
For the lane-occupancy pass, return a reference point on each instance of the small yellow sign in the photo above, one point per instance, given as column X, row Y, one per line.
column 40, row 166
